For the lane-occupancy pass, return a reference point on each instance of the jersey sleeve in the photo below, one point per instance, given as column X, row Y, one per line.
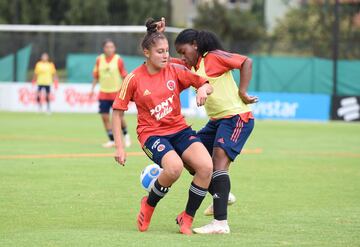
column 53, row 69
column 221, row 61
column 188, row 78
column 126, row 93
column 178, row 61
column 96, row 69
column 121, row 67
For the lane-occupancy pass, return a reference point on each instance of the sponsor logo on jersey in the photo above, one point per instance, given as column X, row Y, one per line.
column 170, row 85
column 163, row 109
column 146, row 92
column 192, row 138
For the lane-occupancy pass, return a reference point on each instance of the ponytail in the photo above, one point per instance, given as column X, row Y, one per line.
column 151, row 35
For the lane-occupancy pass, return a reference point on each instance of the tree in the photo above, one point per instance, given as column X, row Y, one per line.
column 308, row 30
column 238, row 29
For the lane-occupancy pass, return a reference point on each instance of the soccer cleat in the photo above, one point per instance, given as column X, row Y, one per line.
column 209, row 211
column 127, row 140
column 109, row 144
column 215, row 227
column 144, row 216
column 185, row 222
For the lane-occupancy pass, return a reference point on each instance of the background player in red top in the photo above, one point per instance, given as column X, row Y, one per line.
column 109, row 71
column 163, row 133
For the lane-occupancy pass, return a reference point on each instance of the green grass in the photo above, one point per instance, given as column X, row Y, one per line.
column 302, row 190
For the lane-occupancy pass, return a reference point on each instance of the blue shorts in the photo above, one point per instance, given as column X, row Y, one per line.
column 105, row 106
column 45, row 87
column 230, row 134
column 156, row 147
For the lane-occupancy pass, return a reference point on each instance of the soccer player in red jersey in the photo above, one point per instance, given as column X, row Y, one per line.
column 109, row 71
column 164, row 135
column 231, row 120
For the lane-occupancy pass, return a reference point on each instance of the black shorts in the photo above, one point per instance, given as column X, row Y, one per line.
column 43, row 87
column 105, row 106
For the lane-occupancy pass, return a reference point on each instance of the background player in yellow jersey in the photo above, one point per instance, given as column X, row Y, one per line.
column 44, row 77
column 231, row 120
column 109, row 71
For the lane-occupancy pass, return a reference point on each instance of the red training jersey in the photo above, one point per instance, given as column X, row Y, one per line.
column 157, row 98
column 122, row 70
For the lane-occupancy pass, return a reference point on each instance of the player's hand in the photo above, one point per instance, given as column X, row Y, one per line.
column 120, row 156
column 247, row 99
column 160, row 25
column 91, row 94
column 201, row 96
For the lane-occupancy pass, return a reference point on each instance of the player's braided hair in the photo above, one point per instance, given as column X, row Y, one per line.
column 206, row 41
column 151, row 35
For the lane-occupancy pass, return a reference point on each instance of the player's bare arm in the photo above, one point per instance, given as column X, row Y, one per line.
column 245, row 78
column 120, row 154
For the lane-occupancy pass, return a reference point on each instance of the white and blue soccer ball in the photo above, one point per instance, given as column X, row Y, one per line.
column 149, row 175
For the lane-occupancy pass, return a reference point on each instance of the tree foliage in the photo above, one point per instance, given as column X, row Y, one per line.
column 310, row 29
column 80, row 12
column 238, row 29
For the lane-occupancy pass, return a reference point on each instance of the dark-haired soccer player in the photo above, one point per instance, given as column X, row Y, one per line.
column 231, row 120
column 44, row 77
column 109, row 71
column 164, row 135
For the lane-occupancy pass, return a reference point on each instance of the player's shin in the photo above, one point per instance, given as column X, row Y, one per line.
column 221, row 188
column 157, row 193
column 196, row 196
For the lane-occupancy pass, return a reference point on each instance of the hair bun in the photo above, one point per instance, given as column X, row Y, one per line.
column 151, row 26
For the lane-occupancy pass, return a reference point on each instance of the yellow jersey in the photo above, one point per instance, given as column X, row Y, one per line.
column 224, row 101
column 44, row 72
column 108, row 73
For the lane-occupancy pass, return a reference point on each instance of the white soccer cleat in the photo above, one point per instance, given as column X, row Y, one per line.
column 209, row 211
column 109, row 144
column 127, row 140
column 215, row 227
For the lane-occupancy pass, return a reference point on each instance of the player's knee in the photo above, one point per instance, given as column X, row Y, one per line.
column 174, row 170
column 205, row 169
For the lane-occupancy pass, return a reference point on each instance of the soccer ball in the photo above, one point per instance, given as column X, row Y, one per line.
column 149, row 175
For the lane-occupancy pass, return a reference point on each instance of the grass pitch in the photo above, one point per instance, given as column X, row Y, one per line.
column 297, row 184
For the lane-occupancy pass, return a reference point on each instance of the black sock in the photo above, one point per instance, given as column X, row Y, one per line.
column 211, row 188
column 124, row 131
column 157, row 193
column 110, row 135
column 221, row 188
column 196, row 196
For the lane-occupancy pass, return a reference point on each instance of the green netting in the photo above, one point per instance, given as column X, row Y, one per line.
column 22, row 64
column 6, row 68
column 270, row 74
column 349, row 78
column 80, row 66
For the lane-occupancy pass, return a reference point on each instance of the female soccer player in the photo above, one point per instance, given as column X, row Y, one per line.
column 109, row 71
column 163, row 133
column 231, row 120
column 44, row 76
